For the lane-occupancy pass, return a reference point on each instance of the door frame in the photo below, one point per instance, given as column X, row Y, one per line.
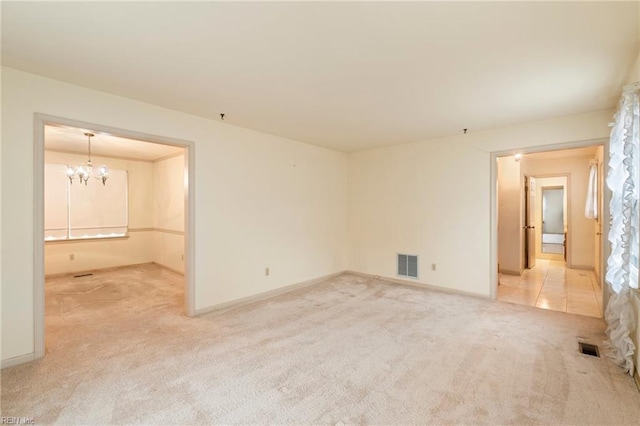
column 567, row 189
column 565, row 212
column 40, row 120
column 493, row 206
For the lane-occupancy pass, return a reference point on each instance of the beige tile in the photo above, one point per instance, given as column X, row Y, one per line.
column 581, row 309
column 509, row 280
column 504, row 291
column 551, row 285
column 555, row 304
column 523, row 296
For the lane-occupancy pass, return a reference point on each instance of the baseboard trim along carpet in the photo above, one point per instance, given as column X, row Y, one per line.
column 175, row 271
column 508, row 272
column 420, row 285
column 582, row 267
column 97, row 270
column 265, row 295
column 17, row 360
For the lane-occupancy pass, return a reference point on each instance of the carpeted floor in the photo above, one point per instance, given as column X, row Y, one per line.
column 350, row 350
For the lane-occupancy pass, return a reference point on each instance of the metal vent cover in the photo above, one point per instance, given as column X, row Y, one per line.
column 589, row 349
column 407, row 265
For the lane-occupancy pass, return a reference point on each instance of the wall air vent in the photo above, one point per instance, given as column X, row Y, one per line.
column 407, row 265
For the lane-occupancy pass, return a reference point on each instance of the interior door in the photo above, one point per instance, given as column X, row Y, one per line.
column 529, row 221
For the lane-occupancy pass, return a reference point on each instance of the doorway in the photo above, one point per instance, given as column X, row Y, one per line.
column 553, row 220
column 186, row 180
column 553, row 259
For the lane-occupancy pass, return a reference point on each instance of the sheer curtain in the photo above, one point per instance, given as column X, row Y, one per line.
column 622, row 265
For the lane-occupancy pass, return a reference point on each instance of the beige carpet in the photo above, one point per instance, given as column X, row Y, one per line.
column 349, row 350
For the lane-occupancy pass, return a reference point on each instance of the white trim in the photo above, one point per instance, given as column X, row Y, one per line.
column 508, row 272
column 17, row 360
column 494, row 278
column 605, row 251
column 96, row 270
column 40, row 120
column 583, row 267
column 568, row 247
column 38, row 236
column 266, row 295
column 420, row 285
column 175, row 271
column 168, row 231
column 493, row 244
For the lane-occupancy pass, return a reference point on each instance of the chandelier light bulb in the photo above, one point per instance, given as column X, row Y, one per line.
column 84, row 171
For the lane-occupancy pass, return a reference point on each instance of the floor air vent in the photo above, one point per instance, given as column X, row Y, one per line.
column 588, row 349
column 408, row 265
column 82, row 275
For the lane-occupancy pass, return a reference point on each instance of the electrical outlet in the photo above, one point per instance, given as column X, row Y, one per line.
column 433, row 266
column 72, row 256
column 266, row 272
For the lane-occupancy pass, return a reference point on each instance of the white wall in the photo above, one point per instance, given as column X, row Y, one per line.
column 261, row 200
column 168, row 212
column 580, row 235
column 509, row 216
column 96, row 254
column 432, row 198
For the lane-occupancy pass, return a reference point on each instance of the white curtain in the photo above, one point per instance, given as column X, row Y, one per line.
column 591, row 206
column 622, row 265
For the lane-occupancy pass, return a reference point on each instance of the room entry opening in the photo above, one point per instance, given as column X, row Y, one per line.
column 553, row 225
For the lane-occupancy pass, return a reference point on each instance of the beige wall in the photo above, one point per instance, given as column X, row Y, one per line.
column 510, row 216
column 96, row 254
column 156, row 220
column 168, row 212
column 261, row 200
column 432, row 198
column 580, row 235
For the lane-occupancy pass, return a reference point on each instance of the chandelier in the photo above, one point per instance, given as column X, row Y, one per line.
column 84, row 171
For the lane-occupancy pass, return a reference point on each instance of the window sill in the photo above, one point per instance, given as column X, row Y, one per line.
column 85, row 240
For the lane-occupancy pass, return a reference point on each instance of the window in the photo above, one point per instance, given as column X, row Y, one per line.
column 78, row 211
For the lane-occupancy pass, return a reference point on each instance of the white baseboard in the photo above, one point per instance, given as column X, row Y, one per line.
column 264, row 295
column 582, row 267
column 175, row 271
column 598, row 280
column 17, row 360
column 96, row 270
column 421, row 285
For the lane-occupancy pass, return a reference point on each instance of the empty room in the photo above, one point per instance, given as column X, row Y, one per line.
column 320, row 213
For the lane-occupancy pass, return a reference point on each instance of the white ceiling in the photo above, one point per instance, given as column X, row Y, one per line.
column 71, row 139
column 347, row 76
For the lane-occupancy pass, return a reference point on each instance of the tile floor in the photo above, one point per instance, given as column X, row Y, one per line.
column 551, row 285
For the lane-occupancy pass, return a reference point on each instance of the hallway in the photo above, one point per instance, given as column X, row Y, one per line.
column 551, row 285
